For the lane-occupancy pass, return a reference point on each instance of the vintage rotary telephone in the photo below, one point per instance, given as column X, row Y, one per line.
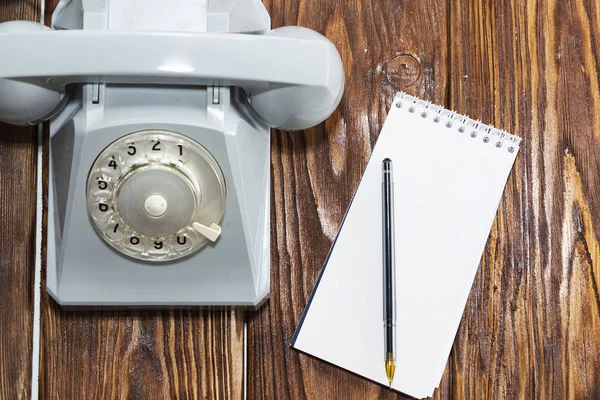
column 159, row 157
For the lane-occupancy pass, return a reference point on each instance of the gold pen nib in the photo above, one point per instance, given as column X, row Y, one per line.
column 390, row 367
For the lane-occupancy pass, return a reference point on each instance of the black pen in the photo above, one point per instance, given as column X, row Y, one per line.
column 389, row 273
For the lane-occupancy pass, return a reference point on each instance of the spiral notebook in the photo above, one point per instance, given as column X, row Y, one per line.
column 449, row 176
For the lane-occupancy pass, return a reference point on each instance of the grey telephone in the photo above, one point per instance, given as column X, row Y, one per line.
column 160, row 142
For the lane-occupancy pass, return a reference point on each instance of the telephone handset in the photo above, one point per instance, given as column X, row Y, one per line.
column 294, row 75
column 160, row 139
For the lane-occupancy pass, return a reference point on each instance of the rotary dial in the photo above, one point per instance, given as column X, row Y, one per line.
column 156, row 195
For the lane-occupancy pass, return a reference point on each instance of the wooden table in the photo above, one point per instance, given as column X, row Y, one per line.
column 531, row 328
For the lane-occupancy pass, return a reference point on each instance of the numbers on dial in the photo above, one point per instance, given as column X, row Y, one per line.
column 101, row 212
column 154, row 149
column 113, row 163
column 134, row 244
column 100, row 188
column 114, row 232
column 179, row 153
column 181, row 243
column 128, row 156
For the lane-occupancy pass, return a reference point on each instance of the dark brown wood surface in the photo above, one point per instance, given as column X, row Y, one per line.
column 532, row 325
column 531, row 328
column 18, row 169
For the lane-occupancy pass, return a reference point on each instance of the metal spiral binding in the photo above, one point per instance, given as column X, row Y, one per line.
column 462, row 123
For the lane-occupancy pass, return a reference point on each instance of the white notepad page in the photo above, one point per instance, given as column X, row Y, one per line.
column 449, row 176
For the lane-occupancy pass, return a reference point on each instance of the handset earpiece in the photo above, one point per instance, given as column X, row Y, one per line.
column 300, row 107
column 24, row 103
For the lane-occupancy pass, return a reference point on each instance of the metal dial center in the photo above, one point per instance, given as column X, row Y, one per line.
column 155, row 205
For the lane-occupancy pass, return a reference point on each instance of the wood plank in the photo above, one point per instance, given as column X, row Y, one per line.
column 138, row 354
column 532, row 325
column 18, row 169
column 315, row 173
column 141, row 355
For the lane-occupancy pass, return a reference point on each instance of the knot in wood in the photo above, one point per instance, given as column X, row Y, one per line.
column 403, row 70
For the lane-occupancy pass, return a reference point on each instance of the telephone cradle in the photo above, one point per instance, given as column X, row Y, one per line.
column 160, row 119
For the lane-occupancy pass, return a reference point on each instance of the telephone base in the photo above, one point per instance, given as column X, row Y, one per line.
column 233, row 271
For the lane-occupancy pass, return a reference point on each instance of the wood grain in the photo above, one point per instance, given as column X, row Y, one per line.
column 18, row 169
column 315, row 174
column 145, row 355
column 531, row 328
column 532, row 325
column 182, row 354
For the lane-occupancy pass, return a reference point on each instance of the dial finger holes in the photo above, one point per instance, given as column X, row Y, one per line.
column 115, row 231
column 158, row 248
column 101, row 187
column 155, row 149
column 133, row 154
column 111, row 166
column 179, row 153
column 181, row 243
column 134, row 243
column 101, row 211
column 146, row 189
